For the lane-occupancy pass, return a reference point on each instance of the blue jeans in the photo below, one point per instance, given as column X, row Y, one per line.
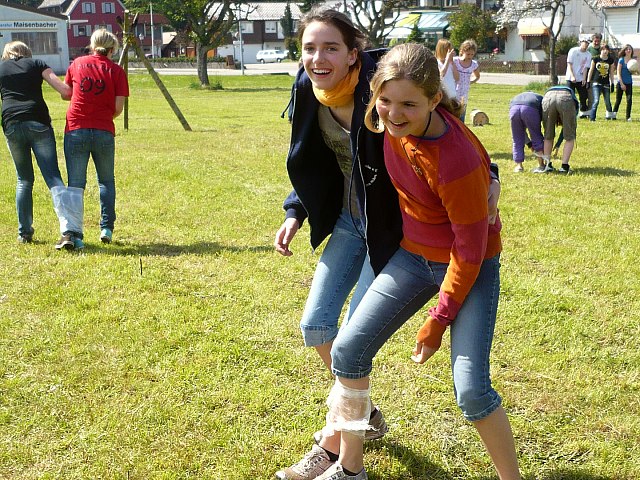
column 100, row 144
column 598, row 88
column 22, row 138
column 404, row 286
column 343, row 263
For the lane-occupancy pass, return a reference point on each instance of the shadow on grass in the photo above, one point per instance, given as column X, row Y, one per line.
column 605, row 171
column 566, row 474
column 168, row 250
column 416, row 467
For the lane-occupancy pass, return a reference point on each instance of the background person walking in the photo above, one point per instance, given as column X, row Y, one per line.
column 99, row 89
column 27, row 128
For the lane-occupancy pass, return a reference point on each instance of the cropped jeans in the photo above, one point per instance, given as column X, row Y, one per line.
column 100, row 144
column 22, row 138
column 343, row 264
column 404, row 286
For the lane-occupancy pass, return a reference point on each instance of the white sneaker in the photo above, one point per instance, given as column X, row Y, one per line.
column 518, row 168
column 312, row 465
column 337, row 473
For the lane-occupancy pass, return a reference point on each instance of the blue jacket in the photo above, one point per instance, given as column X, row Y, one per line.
column 318, row 182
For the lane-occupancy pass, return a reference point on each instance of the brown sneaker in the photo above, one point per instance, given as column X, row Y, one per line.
column 66, row 242
column 378, row 428
column 312, row 465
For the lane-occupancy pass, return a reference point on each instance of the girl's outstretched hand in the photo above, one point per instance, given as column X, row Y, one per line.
column 422, row 353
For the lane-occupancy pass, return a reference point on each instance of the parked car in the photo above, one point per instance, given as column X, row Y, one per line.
column 264, row 56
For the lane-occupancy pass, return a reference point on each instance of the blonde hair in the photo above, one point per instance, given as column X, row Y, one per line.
column 469, row 46
column 442, row 48
column 16, row 50
column 413, row 62
column 103, row 40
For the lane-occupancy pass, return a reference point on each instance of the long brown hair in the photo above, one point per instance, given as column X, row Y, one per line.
column 352, row 37
column 413, row 62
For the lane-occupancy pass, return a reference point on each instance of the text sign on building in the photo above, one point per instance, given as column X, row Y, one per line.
column 18, row 24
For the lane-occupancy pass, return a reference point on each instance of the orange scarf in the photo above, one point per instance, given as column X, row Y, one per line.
column 342, row 93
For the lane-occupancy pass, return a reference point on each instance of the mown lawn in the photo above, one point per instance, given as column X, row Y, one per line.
column 175, row 353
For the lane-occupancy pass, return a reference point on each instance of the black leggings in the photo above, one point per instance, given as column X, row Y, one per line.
column 628, row 93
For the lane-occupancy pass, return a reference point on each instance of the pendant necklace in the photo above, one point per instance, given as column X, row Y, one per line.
column 412, row 161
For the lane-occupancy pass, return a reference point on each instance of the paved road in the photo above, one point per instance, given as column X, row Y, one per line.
column 290, row 68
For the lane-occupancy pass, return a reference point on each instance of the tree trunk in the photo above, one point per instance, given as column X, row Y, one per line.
column 553, row 73
column 201, row 54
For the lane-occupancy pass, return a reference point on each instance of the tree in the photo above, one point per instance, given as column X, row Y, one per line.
column 307, row 5
column 470, row 22
column 288, row 27
column 512, row 11
column 374, row 18
column 416, row 34
column 207, row 23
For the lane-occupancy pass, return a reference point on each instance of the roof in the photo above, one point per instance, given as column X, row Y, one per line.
column 158, row 19
column 32, row 10
column 270, row 11
column 51, row 3
column 428, row 21
column 617, row 3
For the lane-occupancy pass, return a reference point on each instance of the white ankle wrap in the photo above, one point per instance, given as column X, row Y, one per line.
column 349, row 410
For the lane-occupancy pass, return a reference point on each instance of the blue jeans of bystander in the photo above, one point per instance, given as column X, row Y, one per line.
column 22, row 138
column 100, row 144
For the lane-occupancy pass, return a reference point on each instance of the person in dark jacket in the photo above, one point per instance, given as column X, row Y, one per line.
column 27, row 128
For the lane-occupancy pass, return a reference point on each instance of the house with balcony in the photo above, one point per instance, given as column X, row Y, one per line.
column 84, row 17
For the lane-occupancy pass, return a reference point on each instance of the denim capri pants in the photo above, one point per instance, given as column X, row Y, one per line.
column 343, row 263
column 404, row 286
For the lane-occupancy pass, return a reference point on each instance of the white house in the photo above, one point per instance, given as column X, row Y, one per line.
column 45, row 33
column 526, row 40
column 622, row 22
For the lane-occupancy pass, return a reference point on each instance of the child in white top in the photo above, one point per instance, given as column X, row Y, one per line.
column 468, row 72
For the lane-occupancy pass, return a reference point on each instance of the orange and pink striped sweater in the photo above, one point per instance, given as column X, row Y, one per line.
column 444, row 210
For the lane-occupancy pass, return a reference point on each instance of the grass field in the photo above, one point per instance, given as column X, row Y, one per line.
column 175, row 352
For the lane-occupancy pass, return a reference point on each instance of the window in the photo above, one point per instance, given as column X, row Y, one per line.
column 108, row 7
column 81, row 30
column 270, row 27
column 41, row 43
column 246, row 27
column 106, row 27
column 537, row 42
column 88, row 7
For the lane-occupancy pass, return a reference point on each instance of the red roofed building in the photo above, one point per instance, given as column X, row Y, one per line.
column 84, row 17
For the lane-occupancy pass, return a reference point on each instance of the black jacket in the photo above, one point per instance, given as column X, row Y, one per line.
column 318, row 181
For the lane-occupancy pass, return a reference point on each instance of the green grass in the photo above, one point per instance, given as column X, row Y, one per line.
column 175, row 352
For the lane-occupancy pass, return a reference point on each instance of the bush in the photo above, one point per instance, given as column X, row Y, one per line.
column 564, row 44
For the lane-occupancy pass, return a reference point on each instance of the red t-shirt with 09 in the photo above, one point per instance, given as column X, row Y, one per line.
column 96, row 82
